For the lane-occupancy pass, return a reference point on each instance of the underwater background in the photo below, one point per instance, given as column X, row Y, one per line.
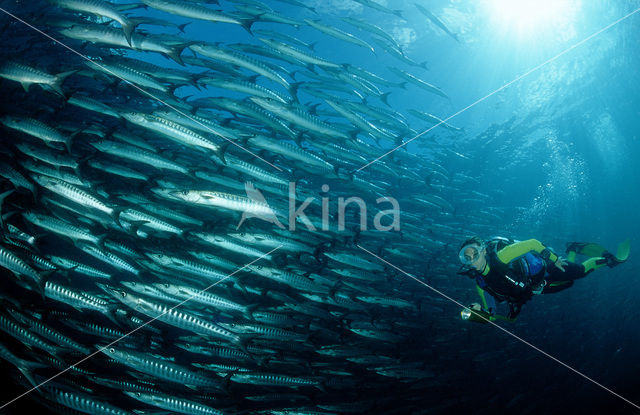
column 543, row 144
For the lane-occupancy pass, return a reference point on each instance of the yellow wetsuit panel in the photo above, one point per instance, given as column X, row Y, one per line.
column 481, row 294
column 513, row 251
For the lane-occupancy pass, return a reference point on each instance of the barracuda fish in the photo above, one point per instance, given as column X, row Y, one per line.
column 249, row 109
column 60, row 227
column 298, row 54
column 167, row 74
column 160, row 368
column 291, row 151
column 299, row 4
column 184, row 292
column 171, row 403
column 272, row 380
column 371, row 28
column 265, row 14
column 270, row 333
column 199, row 123
column 83, row 402
column 376, row 6
column 296, row 281
column 222, row 241
column 16, row 178
column 396, row 52
column 214, row 52
column 175, row 132
column 78, row 300
column 284, row 37
column 110, row 36
column 75, row 194
column 436, row 21
column 149, row 221
column 48, row 155
column 26, row 336
column 249, row 169
column 223, row 200
column 360, row 122
column 99, row 8
column 78, row 267
column 19, row 267
column 187, row 266
column 48, row 333
column 37, row 129
column 139, row 155
column 419, row 82
column 434, row 120
column 196, row 11
column 46, row 170
column 24, row 366
column 130, row 75
column 386, row 301
column 27, row 76
column 110, row 258
column 92, row 105
column 152, row 206
column 338, row 34
column 243, row 87
column 175, row 317
column 299, row 117
column 117, row 170
column 271, row 241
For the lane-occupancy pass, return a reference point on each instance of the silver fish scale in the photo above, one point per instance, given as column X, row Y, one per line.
column 19, row 332
column 15, row 264
column 85, row 403
column 73, row 193
column 37, row 76
column 175, row 404
column 189, row 322
column 74, row 299
column 160, row 368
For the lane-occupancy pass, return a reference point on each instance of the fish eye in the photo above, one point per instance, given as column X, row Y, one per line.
column 123, row 294
column 112, row 350
column 166, row 285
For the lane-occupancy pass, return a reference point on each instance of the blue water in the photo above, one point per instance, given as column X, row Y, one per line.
column 550, row 143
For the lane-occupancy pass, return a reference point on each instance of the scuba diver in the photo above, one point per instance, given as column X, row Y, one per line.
column 515, row 271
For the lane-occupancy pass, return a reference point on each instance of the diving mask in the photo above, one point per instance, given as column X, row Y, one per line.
column 470, row 253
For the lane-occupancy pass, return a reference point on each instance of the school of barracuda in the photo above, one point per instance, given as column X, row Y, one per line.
column 122, row 198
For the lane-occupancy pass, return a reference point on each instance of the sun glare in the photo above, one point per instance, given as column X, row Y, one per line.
column 533, row 18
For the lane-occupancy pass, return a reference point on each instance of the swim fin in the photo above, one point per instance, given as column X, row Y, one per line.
column 622, row 254
column 586, row 248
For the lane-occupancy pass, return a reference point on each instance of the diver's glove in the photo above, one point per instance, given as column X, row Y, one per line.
column 476, row 314
column 514, row 310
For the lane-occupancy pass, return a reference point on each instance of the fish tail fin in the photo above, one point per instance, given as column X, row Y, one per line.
column 222, row 149
column 385, row 98
column 25, row 367
column 175, row 52
column 115, row 214
column 57, row 84
column 182, row 26
column 247, row 23
column 128, row 27
column 399, row 14
column 3, row 196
